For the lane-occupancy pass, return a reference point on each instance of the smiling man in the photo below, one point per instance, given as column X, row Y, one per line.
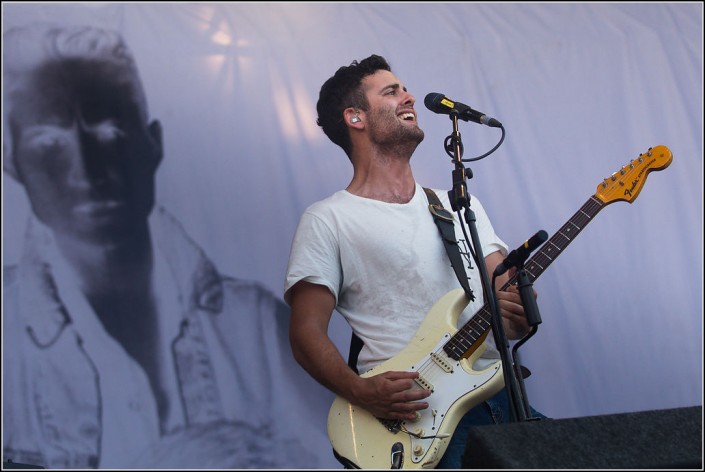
column 373, row 253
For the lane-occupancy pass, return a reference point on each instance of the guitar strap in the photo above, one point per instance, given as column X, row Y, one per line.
column 444, row 222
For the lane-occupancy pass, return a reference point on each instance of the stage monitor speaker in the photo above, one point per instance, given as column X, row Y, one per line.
column 660, row 439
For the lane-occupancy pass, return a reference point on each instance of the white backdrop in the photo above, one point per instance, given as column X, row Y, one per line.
column 581, row 88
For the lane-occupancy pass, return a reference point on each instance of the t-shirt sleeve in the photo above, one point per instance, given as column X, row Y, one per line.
column 314, row 256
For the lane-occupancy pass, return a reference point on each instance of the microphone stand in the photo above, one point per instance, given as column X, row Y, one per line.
column 459, row 199
column 533, row 317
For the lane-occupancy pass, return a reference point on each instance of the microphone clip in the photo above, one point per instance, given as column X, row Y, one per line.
column 517, row 257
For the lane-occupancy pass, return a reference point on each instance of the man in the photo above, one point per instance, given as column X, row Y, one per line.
column 118, row 330
column 373, row 253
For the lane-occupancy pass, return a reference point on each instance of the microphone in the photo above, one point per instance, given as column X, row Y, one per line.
column 439, row 103
column 520, row 254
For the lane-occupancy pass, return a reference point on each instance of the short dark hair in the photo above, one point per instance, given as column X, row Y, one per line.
column 342, row 91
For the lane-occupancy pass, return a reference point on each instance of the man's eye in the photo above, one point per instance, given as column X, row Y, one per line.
column 106, row 132
column 48, row 141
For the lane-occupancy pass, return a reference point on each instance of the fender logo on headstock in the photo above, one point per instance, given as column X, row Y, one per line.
column 635, row 182
column 613, row 189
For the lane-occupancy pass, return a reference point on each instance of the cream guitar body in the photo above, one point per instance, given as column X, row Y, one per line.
column 371, row 443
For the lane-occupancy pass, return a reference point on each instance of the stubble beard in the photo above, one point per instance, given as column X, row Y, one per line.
column 391, row 136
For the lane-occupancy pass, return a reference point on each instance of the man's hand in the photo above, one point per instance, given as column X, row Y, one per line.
column 391, row 395
column 513, row 317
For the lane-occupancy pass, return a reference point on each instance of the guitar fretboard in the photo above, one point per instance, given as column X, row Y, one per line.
column 469, row 335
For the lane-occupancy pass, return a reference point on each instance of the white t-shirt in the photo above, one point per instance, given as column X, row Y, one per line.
column 386, row 265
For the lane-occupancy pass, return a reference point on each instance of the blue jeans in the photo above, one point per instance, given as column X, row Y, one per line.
column 494, row 410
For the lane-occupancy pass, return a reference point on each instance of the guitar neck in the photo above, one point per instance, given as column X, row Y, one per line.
column 473, row 331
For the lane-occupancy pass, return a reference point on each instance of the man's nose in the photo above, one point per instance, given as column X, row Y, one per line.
column 96, row 152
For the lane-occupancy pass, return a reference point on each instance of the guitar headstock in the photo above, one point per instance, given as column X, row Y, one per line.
column 626, row 183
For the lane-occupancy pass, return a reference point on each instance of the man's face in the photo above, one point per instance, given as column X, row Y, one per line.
column 82, row 152
column 391, row 118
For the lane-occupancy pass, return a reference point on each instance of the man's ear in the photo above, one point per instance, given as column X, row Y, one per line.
column 352, row 117
column 155, row 134
column 8, row 164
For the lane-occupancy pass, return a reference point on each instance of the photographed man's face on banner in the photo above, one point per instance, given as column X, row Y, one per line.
column 125, row 324
column 83, row 150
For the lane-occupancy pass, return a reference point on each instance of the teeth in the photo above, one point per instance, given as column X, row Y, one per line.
column 409, row 116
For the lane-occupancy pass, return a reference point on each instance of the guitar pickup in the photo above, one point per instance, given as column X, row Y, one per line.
column 423, row 383
column 441, row 362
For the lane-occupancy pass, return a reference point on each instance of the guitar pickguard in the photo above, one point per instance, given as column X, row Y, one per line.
column 368, row 442
column 453, row 387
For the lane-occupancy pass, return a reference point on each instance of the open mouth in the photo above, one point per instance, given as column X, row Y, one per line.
column 408, row 116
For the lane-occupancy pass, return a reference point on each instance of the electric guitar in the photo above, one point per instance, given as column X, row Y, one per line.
column 444, row 355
